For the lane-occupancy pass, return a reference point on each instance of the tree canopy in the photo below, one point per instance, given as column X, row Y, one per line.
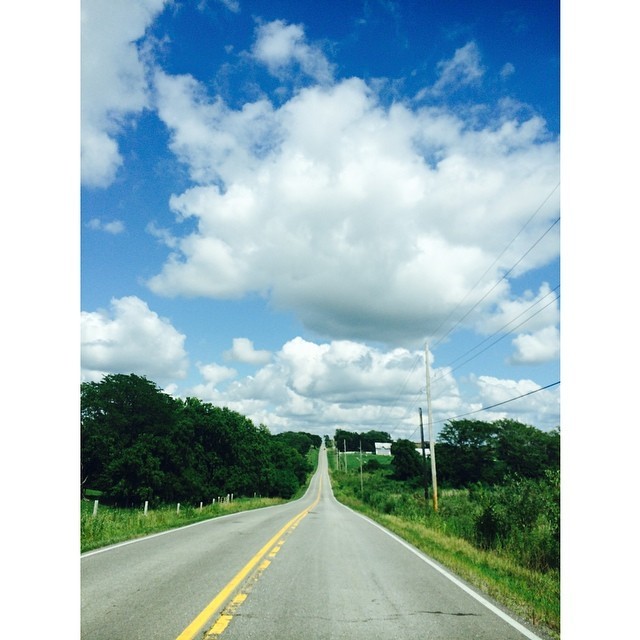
column 138, row 443
column 470, row 451
column 407, row 463
column 352, row 441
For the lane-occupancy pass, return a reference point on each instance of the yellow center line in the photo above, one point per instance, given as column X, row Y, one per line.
column 201, row 619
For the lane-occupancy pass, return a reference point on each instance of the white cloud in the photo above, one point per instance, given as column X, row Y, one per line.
column 130, row 338
column 530, row 312
column 113, row 227
column 244, row 351
column 507, row 70
column 113, row 83
column 280, row 45
column 538, row 347
column 214, row 373
column 369, row 222
column 462, row 70
column 540, row 409
column 232, row 5
column 317, row 387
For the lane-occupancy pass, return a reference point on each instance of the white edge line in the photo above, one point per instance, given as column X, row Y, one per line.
column 514, row 623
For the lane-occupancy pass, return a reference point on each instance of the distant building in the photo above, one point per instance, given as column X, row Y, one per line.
column 383, row 448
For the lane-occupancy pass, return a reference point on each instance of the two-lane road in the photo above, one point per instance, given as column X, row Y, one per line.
column 305, row 570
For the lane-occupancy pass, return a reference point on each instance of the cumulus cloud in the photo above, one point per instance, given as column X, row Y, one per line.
column 530, row 311
column 130, row 338
column 535, row 348
column 113, row 82
column 280, row 46
column 309, row 385
column 244, row 351
column 534, row 409
column 368, row 221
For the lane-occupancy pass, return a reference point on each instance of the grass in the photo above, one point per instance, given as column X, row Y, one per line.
column 112, row 525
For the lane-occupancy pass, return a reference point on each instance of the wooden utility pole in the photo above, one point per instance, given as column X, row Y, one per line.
column 432, row 444
column 344, row 446
column 361, row 481
column 424, row 461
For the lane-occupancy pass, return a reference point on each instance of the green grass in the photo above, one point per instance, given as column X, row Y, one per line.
column 112, row 525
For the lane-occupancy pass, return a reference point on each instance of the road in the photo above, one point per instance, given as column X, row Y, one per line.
column 310, row 569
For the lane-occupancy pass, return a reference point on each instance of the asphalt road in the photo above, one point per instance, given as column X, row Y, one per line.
column 310, row 569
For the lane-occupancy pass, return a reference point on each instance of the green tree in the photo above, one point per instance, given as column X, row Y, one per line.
column 466, row 453
column 138, row 443
column 300, row 441
column 406, row 462
column 524, row 450
column 123, row 418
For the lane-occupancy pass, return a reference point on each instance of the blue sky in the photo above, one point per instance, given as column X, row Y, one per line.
column 283, row 202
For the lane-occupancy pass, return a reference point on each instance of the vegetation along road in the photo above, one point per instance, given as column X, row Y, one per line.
column 311, row 568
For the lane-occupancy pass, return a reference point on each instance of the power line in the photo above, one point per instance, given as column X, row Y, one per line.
column 498, row 282
column 502, row 337
column 438, row 340
column 498, row 404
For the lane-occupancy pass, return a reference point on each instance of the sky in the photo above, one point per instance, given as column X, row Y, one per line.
column 197, row 95
column 284, row 203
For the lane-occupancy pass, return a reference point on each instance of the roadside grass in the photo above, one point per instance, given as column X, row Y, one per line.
column 532, row 595
column 115, row 524
column 112, row 525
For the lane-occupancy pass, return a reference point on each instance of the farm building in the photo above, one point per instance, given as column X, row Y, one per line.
column 383, row 448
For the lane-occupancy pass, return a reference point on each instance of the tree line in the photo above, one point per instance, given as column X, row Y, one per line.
column 353, row 441
column 139, row 443
column 470, row 451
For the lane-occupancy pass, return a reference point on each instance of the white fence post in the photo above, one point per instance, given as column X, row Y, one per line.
column 201, row 506
column 95, row 507
column 178, row 509
column 146, row 507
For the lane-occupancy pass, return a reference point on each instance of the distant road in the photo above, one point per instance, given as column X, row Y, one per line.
column 310, row 569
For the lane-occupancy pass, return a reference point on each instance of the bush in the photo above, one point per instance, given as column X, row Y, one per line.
column 521, row 517
column 371, row 465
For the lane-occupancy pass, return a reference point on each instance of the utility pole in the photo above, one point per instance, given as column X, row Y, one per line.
column 361, row 481
column 344, row 447
column 432, row 444
column 424, row 461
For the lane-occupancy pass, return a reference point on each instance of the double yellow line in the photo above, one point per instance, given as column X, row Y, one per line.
column 207, row 613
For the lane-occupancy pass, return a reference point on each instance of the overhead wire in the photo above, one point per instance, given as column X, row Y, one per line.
column 504, row 276
column 481, row 299
column 490, row 268
column 498, row 404
column 502, row 330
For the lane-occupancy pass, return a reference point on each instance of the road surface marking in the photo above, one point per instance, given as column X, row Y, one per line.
column 207, row 613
